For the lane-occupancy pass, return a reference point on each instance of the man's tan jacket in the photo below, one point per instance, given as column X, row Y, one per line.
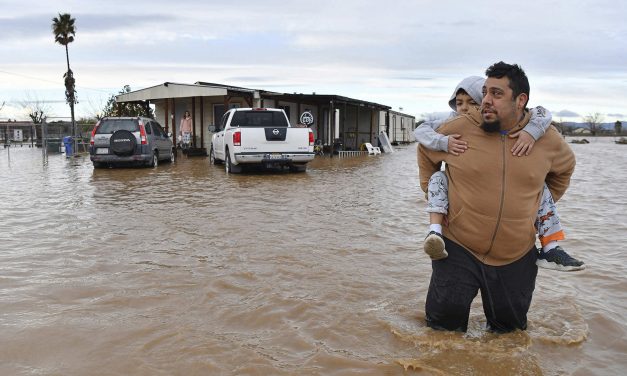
column 493, row 195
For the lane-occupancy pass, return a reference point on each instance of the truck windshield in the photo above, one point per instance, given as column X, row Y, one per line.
column 259, row 119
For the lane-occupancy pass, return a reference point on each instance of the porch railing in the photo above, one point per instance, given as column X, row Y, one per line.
column 351, row 153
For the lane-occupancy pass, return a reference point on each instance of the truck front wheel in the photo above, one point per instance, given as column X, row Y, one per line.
column 212, row 157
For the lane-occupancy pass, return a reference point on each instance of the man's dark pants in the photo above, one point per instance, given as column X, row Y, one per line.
column 506, row 290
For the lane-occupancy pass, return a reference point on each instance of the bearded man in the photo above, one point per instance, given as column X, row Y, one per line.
column 493, row 203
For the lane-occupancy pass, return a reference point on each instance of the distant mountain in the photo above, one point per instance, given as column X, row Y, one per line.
column 606, row 126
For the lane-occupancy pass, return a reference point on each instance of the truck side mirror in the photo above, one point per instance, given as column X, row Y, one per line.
column 212, row 128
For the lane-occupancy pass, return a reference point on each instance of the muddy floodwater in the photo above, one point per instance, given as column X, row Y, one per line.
column 185, row 270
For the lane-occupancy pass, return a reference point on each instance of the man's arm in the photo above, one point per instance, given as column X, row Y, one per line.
column 562, row 167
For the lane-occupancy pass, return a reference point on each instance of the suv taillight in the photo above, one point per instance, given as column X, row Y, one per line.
column 311, row 138
column 142, row 133
column 93, row 133
column 237, row 138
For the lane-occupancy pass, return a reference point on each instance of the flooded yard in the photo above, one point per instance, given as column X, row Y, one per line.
column 185, row 270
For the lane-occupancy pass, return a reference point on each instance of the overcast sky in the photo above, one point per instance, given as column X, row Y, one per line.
column 405, row 54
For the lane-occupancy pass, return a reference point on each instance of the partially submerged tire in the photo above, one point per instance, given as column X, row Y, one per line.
column 230, row 167
column 212, row 157
column 122, row 143
column 154, row 162
column 172, row 156
column 298, row 168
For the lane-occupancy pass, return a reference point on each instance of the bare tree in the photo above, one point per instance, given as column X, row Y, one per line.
column 36, row 108
column 594, row 122
column 558, row 126
column 95, row 107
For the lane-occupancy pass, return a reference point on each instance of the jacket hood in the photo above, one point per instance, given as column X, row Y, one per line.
column 472, row 85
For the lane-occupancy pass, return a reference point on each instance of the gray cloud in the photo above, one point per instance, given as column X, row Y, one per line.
column 566, row 113
column 616, row 115
column 37, row 25
column 93, row 22
column 25, row 27
column 409, row 55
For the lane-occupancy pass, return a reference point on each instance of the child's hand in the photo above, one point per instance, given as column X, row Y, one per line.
column 524, row 144
column 456, row 146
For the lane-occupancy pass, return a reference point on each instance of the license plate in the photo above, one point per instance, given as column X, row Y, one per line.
column 275, row 156
column 102, row 151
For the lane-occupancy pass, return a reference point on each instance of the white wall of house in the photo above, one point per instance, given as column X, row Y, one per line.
column 160, row 114
column 401, row 127
column 382, row 126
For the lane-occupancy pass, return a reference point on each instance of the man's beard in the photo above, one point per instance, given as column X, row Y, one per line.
column 492, row 127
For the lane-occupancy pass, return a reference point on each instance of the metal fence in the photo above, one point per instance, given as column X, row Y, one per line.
column 53, row 130
column 351, row 153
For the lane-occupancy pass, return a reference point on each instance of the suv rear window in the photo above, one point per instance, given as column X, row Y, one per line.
column 259, row 119
column 112, row 125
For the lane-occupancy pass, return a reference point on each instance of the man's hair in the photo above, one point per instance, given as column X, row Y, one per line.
column 518, row 81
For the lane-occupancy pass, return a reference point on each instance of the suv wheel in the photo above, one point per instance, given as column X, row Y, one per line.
column 155, row 159
column 122, row 143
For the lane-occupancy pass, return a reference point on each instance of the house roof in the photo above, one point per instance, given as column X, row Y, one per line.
column 322, row 98
column 208, row 89
column 171, row 90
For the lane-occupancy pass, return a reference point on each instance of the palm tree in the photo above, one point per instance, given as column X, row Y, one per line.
column 64, row 30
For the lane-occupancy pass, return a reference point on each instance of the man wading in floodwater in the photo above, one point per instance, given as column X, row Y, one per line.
column 493, row 202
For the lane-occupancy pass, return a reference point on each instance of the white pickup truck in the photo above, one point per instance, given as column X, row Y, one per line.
column 262, row 137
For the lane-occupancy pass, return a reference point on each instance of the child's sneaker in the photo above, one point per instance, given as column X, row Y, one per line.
column 434, row 246
column 557, row 259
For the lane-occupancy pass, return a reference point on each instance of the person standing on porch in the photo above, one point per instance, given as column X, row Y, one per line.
column 185, row 130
